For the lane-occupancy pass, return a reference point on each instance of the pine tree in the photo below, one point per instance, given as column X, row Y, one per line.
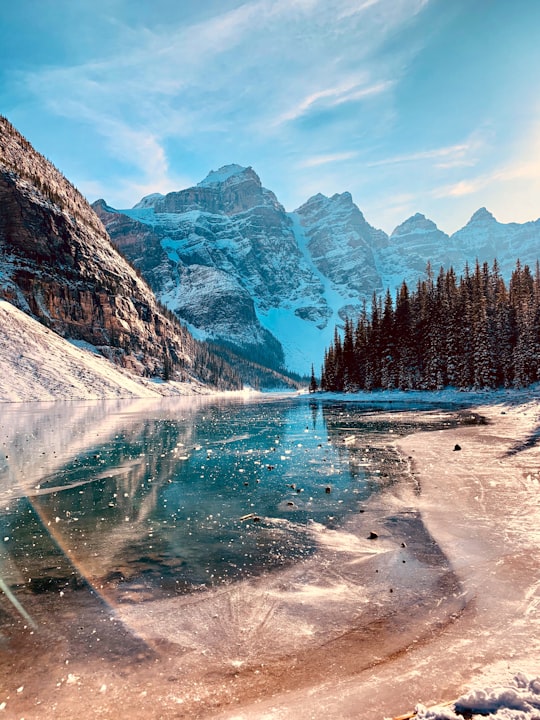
column 387, row 359
column 313, row 387
column 361, row 350
column 475, row 333
column 349, row 360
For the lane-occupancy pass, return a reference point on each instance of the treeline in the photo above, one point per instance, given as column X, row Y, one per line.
column 475, row 332
column 254, row 374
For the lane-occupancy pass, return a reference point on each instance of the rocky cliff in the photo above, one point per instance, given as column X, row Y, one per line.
column 58, row 265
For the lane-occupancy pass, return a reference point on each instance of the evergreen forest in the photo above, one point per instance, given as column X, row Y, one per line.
column 470, row 333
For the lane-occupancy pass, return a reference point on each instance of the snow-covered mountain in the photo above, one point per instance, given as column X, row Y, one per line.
column 228, row 259
column 36, row 364
column 58, row 265
column 230, row 264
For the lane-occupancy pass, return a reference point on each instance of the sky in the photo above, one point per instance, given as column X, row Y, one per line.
column 427, row 106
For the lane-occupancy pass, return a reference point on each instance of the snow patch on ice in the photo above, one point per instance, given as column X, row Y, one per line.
column 518, row 700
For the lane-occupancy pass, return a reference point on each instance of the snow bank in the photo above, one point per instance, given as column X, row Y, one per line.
column 519, row 700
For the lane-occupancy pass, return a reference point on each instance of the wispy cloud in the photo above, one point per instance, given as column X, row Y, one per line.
column 333, row 97
column 350, row 8
column 508, row 173
column 522, row 167
column 233, row 81
column 461, row 188
column 452, row 155
column 318, row 160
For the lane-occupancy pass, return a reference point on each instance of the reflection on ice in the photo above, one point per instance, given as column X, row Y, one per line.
column 150, row 500
column 157, row 507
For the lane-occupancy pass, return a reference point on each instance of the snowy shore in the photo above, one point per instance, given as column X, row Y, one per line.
column 481, row 504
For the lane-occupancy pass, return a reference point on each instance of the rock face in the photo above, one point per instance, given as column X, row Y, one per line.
column 342, row 244
column 57, row 264
column 411, row 245
column 228, row 259
column 487, row 238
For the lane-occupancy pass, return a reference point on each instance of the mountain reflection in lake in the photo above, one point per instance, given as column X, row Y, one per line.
column 167, row 499
column 114, row 516
column 139, row 498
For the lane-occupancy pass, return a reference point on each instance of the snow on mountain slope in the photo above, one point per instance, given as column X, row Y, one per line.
column 486, row 238
column 231, row 260
column 37, row 364
column 233, row 173
column 341, row 243
column 408, row 250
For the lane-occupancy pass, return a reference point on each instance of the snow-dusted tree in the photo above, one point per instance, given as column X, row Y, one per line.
column 388, row 350
column 474, row 333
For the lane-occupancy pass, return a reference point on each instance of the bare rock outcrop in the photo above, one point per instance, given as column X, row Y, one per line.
column 58, row 264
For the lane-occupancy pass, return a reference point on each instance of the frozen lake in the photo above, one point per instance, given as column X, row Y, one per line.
column 193, row 538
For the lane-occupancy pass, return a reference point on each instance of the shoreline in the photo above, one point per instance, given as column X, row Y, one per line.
column 481, row 506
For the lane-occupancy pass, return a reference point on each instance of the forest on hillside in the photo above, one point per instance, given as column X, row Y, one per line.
column 472, row 332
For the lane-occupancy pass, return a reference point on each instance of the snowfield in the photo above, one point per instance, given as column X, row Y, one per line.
column 36, row 364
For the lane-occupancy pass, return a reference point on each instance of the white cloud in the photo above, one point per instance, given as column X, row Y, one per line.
column 463, row 187
column 518, row 168
column 317, row 160
column 222, row 82
column 511, row 188
column 333, row 97
column 456, row 154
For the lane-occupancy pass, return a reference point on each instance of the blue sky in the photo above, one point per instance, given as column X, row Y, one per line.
column 428, row 106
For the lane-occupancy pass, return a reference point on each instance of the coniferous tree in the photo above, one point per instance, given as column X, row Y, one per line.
column 313, row 386
column 387, row 344
column 472, row 333
column 348, row 357
column 403, row 340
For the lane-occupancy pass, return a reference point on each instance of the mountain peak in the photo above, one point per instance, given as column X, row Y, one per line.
column 229, row 174
column 417, row 223
column 100, row 204
column 344, row 197
column 482, row 215
column 321, row 200
column 148, row 201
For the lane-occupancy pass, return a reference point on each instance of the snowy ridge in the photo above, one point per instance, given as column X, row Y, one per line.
column 216, row 177
column 149, row 200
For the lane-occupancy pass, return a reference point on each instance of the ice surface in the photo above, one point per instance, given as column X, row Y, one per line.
column 326, row 637
column 481, row 506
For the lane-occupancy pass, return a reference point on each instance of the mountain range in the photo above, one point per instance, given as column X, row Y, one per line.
column 229, row 260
